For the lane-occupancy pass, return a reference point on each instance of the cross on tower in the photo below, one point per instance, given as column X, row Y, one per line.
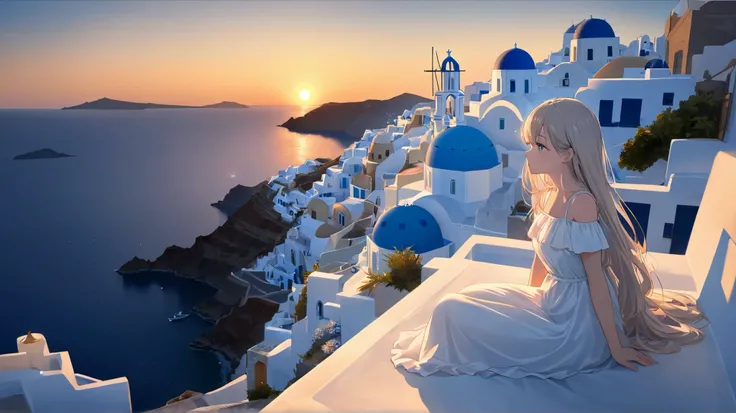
column 449, row 51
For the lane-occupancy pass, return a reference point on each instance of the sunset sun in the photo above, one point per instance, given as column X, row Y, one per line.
column 304, row 94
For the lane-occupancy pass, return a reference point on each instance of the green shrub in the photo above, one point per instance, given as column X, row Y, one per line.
column 697, row 117
column 262, row 391
column 405, row 272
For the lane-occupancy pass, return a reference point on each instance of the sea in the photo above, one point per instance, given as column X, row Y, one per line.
column 139, row 182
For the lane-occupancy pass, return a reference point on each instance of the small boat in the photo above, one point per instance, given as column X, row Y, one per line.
column 178, row 316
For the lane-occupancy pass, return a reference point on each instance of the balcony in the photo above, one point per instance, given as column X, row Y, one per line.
column 706, row 272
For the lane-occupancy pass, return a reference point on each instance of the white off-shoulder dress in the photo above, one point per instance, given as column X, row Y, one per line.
column 516, row 330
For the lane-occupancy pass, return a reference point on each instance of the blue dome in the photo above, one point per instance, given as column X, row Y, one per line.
column 408, row 226
column 593, row 29
column 462, row 148
column 450, row 64
column 656, row 64
column 515, row 59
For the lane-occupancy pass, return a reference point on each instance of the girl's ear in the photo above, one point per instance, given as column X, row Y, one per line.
column 567, row 155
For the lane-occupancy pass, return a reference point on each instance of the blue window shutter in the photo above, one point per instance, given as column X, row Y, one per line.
column 668, row 227
column 512, row 86
column 526, row 85
column 355, row 192
column 668, row 99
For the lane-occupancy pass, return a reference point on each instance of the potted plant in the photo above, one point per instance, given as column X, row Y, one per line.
column 404, row 276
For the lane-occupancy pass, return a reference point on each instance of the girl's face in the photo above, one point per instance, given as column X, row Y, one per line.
column 542, row 156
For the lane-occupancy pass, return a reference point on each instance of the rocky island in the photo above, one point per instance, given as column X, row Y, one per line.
column 348, row 121
column 253, row 229
column 42, row 154
column 111, row 104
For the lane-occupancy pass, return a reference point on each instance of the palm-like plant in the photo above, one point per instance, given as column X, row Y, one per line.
column 405, row 273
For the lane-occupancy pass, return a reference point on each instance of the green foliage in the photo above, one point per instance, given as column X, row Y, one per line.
column 300, row 309
column 262, row 391
column 697, row 117
column 405, row 273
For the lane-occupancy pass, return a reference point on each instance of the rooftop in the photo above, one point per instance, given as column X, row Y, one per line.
column 698, row 378
column 339, row 383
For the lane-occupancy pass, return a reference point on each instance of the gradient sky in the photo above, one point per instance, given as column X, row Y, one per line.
column 62, row 53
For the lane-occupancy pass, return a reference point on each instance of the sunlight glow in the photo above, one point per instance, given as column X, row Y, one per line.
column 304, row 94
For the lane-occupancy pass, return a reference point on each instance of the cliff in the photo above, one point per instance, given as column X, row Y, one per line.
column 236, row 198
column 252, row 231
column 110, row 104
column 350, row 120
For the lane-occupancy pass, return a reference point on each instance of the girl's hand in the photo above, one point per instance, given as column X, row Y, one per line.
column 626, row 355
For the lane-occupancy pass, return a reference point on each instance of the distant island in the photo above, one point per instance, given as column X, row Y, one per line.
column 111, row 104
column 349, row 120
column 42, row 154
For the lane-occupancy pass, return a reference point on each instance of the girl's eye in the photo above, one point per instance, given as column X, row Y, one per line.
column 540, row 147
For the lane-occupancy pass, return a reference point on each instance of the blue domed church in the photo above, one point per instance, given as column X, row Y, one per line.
column 594, row 44
column 405, row 226
column 514, row 73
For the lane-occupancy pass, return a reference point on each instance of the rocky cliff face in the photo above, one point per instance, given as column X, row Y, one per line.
column 250, row 232
column 348, row 121
column 236, row 198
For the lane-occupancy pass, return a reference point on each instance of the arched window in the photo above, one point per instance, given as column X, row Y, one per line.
column 566, row 80
column 452, row 187
column 320, row 310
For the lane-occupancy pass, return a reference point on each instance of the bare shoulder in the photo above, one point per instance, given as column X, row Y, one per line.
column 583, row 208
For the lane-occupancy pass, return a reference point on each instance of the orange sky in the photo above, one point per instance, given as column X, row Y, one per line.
column 65, row 53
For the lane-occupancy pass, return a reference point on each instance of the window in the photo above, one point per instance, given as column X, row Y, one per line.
column 605, row 113
column 320, row 310
column 452, row 187
column 512, row 86
column 677, row 63
column 505, row 160
column 293, row 258
column 358, row 168
column 314, row 214
column 610, row 51
column 567, row 51
column 630, row 113
column 566, row 80
column 526, row 85
column 590, row 54
column 378, row 201
column 498, row 85
column 344, row 182
column 668, row 99
column 379, row 156
column 501, row 123
column 341, row 218
column 388, row 152
column 667, row 233
column 362, row 193
column 355, row 192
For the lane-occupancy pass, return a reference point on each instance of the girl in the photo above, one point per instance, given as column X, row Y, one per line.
column 590, row 302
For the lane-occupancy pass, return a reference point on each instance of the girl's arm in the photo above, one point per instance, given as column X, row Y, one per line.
column 538, row 272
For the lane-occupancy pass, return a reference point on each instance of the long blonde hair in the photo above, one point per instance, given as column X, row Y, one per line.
column 570, row 124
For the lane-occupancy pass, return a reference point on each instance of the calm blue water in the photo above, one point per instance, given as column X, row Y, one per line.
column 140, row 181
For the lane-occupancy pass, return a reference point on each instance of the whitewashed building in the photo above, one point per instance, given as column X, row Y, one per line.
column 34, row 380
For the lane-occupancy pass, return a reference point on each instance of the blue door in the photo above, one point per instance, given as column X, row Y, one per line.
column 355, row 192
column 630, row 112
column 639, row 213
column 684, row 220
column 605, row 112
